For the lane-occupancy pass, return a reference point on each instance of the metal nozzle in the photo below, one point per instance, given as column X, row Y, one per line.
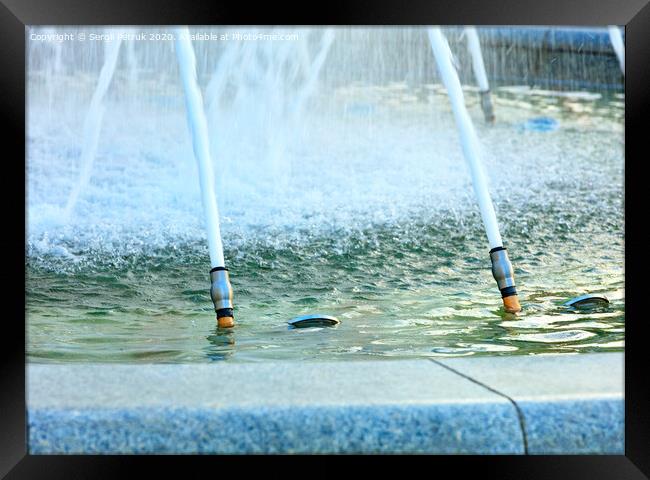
column 221, row 292
column 502, row 271
column 486, row 106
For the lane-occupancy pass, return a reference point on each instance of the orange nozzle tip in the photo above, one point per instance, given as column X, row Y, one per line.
column 511, row 304
column 225, row 322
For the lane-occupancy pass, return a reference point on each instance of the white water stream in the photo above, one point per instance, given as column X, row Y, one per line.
column 468, row 137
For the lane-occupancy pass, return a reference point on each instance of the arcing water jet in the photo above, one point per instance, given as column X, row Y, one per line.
column 93, row 123
column 501, row 267
column 221, row 290
column 479, row 72
column 619, row 47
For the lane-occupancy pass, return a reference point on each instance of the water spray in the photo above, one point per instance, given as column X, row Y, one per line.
column 619, row 47
column 501, row 267
column 479, row 71
column 93, row 123
column 220, row 290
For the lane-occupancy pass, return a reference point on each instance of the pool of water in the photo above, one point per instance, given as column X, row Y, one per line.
column 366, row 212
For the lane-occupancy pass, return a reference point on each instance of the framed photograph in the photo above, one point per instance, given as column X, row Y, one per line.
column 387, row 229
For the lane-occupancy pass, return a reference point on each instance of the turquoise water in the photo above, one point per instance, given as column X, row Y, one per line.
column 434, row 299
column 367, row 214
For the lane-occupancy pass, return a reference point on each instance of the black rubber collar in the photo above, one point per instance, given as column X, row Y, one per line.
column 508, row 292
column 225, row 312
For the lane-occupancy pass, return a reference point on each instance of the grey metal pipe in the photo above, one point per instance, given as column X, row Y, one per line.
column 221, row 293
column 504, row 274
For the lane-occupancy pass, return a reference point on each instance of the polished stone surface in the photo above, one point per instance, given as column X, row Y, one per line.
column 365, row 407
column 570, row 404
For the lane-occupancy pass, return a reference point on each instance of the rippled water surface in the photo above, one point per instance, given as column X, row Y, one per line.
column 368, row 214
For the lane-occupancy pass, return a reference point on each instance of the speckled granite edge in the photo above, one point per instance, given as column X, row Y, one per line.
column 411, row 407
column 581, row 426
column 443, row 429
column 568, row 404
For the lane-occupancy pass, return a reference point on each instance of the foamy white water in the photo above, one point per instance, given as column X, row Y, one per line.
column 300, row 151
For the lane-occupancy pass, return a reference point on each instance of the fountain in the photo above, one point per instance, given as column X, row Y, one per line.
column 619, row 47
column 347, row 212
column 93, row 123
column 479, row 71
column 501, row 267
column 339, row 190
column 221, row 290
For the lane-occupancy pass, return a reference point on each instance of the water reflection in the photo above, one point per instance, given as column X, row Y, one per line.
column 221, row 344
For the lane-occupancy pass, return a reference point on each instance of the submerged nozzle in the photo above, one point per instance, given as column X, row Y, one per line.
column 505, row 276
column 221, row 293
column 486, row 106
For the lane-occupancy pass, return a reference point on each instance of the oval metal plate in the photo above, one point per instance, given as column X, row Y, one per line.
column 315, row 320
column 587, row 300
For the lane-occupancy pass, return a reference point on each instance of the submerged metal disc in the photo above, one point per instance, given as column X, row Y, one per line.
column 315, row 320
column 587, row 300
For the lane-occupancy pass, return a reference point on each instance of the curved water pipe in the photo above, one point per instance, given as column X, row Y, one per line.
column 501, row 267
column 479, row 72
column 619, row 47
column 220, row 290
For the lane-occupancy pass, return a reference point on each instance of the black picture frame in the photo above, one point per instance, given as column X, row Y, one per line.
column 15, row 462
